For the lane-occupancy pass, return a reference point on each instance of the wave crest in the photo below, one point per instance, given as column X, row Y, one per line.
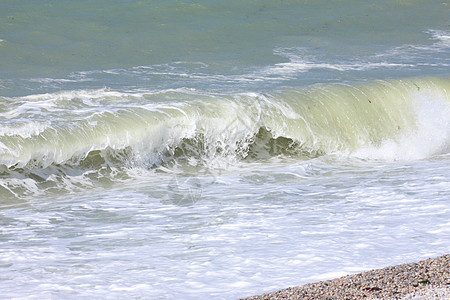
column 188, row 126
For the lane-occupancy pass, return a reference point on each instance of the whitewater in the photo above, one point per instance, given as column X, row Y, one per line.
column 180, row 150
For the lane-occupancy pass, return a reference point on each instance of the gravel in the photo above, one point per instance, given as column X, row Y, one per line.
column 427, row 279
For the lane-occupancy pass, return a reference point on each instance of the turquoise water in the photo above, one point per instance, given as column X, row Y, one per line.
column 239, row 45
column 181, row 149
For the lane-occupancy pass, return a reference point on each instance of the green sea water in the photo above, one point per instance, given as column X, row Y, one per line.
column 218, row 149
column 157, row 44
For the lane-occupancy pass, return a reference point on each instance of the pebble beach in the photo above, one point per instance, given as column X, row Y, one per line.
column 427, row 279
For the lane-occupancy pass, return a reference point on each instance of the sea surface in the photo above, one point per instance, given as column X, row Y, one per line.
column 219, row 149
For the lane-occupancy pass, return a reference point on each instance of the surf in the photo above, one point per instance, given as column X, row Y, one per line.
column 196, row 125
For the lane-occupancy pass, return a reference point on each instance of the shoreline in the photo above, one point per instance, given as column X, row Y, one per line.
column 426, row 279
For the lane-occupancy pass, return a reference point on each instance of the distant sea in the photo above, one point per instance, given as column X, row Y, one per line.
column 218, row 149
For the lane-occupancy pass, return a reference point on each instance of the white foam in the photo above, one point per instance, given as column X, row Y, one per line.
column 24, row 130
column 294, row 67
column 329, row 275
column 301, row 60
column 430, row 137
column 443, row 38
column 141, row 286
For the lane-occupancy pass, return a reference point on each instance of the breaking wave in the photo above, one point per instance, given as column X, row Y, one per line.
column 93, row 134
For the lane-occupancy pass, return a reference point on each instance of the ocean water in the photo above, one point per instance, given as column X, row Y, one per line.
column 219, row 149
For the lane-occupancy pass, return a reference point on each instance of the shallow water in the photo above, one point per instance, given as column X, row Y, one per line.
column 211, row 150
